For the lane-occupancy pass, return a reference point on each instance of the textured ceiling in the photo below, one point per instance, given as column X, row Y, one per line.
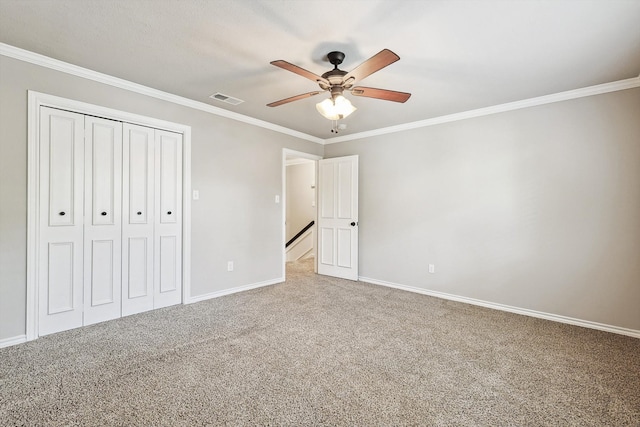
column 455, row 55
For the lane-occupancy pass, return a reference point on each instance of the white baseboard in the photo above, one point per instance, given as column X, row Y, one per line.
column 8, row 342
column 524, row 311
column 230, row 291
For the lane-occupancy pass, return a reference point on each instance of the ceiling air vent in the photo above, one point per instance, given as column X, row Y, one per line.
column 226, row 98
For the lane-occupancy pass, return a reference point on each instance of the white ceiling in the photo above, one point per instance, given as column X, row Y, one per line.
column 455, row 55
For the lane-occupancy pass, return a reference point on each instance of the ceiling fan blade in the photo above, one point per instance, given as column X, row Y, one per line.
column 300, row 71
column 375, row 63
column 294, row 98
column 387, row 95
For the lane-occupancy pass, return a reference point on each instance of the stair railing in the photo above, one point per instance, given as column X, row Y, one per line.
column 300, row 233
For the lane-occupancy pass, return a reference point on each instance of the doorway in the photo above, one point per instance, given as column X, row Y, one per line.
column 299, row 208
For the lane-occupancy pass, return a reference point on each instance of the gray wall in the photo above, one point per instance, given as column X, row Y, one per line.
column 300, row 195
column 237, row 168
column 537, row 208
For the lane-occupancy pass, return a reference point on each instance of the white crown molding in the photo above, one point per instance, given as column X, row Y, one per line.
column 501, row 108
column 502, row 307
column 54, row 64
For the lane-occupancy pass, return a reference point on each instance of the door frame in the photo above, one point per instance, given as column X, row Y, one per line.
column 37, row 100
column 286, row 152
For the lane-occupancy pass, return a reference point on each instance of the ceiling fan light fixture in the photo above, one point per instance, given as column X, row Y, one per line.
column 335, row 108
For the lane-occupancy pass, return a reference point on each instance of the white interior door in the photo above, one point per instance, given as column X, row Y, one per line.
column 138, row 165
column 60, row 222
column 338, row 217
column 103, row 222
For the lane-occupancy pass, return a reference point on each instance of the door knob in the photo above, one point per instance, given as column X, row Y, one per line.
column 139, row 213
column 103, row 213
column 61, row 213
column 353, row 224
column 169, row 213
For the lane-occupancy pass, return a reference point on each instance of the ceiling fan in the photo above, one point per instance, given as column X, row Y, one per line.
column 336, row 81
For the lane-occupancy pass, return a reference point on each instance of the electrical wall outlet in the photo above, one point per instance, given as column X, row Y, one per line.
column 432, row 268
column 230, row 266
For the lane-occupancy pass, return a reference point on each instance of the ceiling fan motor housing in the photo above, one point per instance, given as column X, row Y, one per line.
column 334, row 76
column 335, row 58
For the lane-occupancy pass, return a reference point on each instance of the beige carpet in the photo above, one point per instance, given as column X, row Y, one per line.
column 323, row 351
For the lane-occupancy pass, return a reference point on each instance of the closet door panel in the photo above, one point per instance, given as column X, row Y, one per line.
column 138, row 163
column 60, row 175
column 137, row 273
column 60, row 285
column 102, row 269
column 103, row 228
column 138, row 155
column 168, row 264
column 168, row 224
column 103, row 168
column 169, row 145
column 61, row 148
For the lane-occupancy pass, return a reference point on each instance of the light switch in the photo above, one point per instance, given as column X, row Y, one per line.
column 277, row 198
column 196, row 195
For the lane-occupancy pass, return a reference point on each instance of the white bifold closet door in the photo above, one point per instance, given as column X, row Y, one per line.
column 110, row 220
column 138, row 208
column 167, row 269
column 152, row 219
column 103, row 222
column 60, row 221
